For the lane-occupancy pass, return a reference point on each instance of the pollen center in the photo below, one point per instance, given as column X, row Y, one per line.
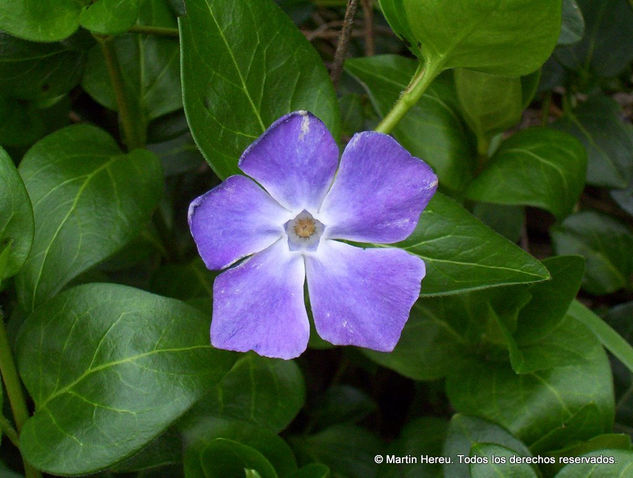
column 305, row 227
column 304, row 232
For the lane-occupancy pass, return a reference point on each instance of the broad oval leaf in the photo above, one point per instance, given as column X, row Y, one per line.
column 573, row 24
column 463, row 254
column 89, row 200
column 539, row 167
column 490, row 103
column 109, row 16
column 510, row 38
column 498, row 463
column 16, row 219
column 244, row 65
column 606, row 245
column 608, row 140
column 432, row 129
column 618, row 463
column 117, row 367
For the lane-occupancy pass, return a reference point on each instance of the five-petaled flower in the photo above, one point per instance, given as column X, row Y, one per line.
column 293, row 229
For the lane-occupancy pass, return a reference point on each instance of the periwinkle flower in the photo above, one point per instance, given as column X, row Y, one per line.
column 291, row 225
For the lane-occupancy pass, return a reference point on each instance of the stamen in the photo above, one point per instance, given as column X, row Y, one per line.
column 304, row 232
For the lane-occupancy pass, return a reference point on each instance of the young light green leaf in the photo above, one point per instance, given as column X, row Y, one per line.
column 608, row 26
column 538, row 167
column 463, row 254
column 267, row 392
column 432, row 129
column 16, row 218
column 89, row 200
column 109, row 16
column 244, row 65
column 606, row 245
column 532, row 405
column 490, row 103
column 608, row 140
column 126, row 362
column 510, row 38
column 573, row 24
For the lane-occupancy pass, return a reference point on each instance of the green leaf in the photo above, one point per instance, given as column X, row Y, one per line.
column 117, row 367
column 463, row 254
column 183, row 281
column 532, row 405
column 538, row 167
column 510, row 38
column 164, row 450
column 608, row 140
column 341, row 404
column 498, row 462
column 109, row 16
column 490, row 103
column 466, row 432
column 394, row 14
column 7, row 473
column 614, row 441
column 37, row 71
column 606, row 245
column 599, row 464
column 608, row 26
column 221, row 457
column 347, row 449
column 267, row 392
column 16, row 218
column 432, row 129
column 272, row 447
column 506, row 220
column 149, row 66
column 573, row 24
column 313, row 470
column 89, row 200
column 52, row 20
column 244, row 65
column 624, row 198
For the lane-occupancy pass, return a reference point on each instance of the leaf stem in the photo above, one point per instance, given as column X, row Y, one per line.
column 132, row 136
column 151, row 30
column 609, row 338
column 424, row 76
column 13, row 387
column 9, row 431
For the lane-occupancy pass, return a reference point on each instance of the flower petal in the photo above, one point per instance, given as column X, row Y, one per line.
column 258, row 305
column 233, row 220
column 379, row 192
column 295, row 160
column 362, row 296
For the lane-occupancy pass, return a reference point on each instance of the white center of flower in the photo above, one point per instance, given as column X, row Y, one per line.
column 304, row 232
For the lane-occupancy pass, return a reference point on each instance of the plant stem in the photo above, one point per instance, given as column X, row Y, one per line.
column 132, row 136
column 343, row 41
column 9, row 431
column 14, row 391
column 151, row 30
column 423, row 77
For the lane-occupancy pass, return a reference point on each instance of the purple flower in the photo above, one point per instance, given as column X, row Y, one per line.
column 292, row 228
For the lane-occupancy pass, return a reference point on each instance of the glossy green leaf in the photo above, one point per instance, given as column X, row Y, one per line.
column 341, row 404
column 463, row 254
column 538, row 167
column 202, row 433
column 573, row 24
column 465, row 432
column 432, row 129
column 16, row 218
column 613, row 441
column 267, row 392
column 599, row 464
column 498, row 462
column 608, row 26
column 532, row 405
column 52, row 20
column 183, row 281
column 394, row 13
column 117, row 367
column 109, row 16
column 608, row 140
column 490, row 103
column 510, row 38
column 149, row 67
column 89, row 200
column 606, row 245
column 616, row 330
column 244, row 65
column 164, row 450
column 347, row 450
column 506, row 220
column 221, row 457
column 37, row 71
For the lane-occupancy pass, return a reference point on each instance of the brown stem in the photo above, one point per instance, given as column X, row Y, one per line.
column 343, row 42
column 368, row 14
